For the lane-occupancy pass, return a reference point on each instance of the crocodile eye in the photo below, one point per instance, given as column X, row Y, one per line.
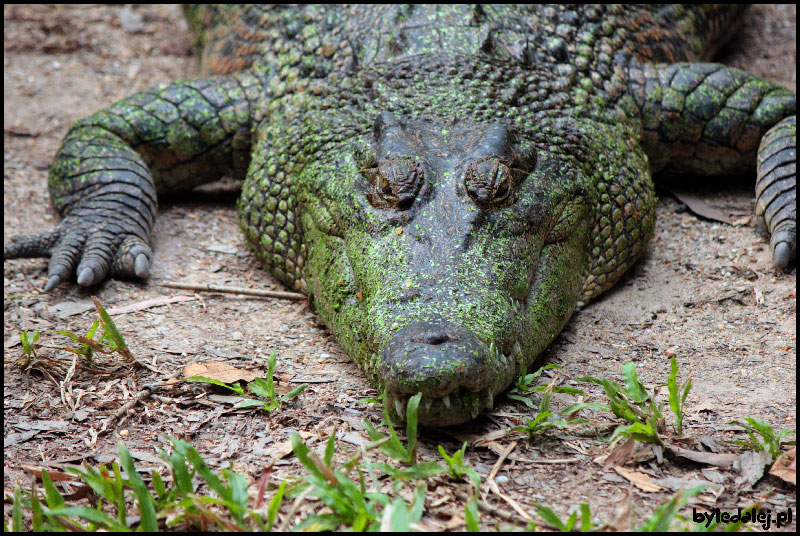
column 394, row 184
column 491, row 183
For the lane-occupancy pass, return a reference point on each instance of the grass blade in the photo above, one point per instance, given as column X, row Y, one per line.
column 471, row 515
column 146, row 503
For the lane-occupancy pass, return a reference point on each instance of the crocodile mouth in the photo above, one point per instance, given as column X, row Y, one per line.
column 457, row 407
column 457, row 374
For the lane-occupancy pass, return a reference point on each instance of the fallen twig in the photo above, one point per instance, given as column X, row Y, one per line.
column 496, row 489
column 293, row 510
column 138, row 397
column 501, row 459
column 238, row 290
column 147, row 304
column 489, row 509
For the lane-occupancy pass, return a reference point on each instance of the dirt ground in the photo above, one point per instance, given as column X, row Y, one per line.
column 705, row 291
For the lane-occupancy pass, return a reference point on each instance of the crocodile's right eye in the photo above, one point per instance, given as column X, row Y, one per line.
column 395, row 183
column 491, row 183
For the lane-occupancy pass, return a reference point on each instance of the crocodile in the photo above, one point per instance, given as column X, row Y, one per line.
column 446, row 184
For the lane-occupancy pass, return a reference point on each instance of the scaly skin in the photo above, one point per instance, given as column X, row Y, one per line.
column 446, row 183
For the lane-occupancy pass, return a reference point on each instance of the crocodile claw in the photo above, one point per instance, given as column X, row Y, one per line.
column 781, row 255
column 141, row 266
column 86, row 277
column 52, row 283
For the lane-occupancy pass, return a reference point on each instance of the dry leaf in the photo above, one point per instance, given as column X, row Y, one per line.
column 478, row 440
column 282, row 450
column 784, row 468
column 752, row 467
column 725, row 461
column 621, row 454
column 640, row 480
column 710, row 407
column 454, row 523
column 700, row 207
column 220, row 371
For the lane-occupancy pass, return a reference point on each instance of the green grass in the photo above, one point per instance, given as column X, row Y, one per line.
column 677, row 395
column 666, row 518
column 29, row 346
column 110, row 342
column 267, row 399
column 771, row 441
column 393, row 447
column 631, row 402
column 349, row 503
column 457, row 467
column 570, row 525
column 380, row 486
column 545, row 419
column 121, row 491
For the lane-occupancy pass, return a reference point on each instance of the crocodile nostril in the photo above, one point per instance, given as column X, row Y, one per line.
column 431, row 337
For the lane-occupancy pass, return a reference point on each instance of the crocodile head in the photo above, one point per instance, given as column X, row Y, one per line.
column 444, row 256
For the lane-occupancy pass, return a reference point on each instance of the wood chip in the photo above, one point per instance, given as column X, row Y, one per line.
column 499, row 463
column 310, row 379
column 496, row 489
column 281, row 450
column 511, row 502
column 478, row 440
column 55, row 475
column 44, row 426
column 19, row 437
column 70, row 308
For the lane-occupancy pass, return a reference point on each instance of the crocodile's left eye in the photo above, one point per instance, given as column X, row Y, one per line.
column 492, row 183
column 395, row 183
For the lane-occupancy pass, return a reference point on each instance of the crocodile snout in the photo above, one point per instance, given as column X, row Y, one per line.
column 434, row 359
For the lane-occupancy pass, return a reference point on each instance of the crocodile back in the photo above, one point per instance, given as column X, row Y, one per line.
column 319, row 39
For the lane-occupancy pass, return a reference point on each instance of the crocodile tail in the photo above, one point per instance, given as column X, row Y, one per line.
column 229, row 37
column 721, row 23
column 673, row 33
column 201, row 19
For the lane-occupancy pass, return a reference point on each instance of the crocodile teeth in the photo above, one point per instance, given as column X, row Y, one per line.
column 446, row 401
column 428, row 403
column 516, row 349
column 400, row 409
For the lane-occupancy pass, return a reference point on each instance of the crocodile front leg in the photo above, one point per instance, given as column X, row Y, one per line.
column 106, row 175
column 776, row 189
column 709, row 119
